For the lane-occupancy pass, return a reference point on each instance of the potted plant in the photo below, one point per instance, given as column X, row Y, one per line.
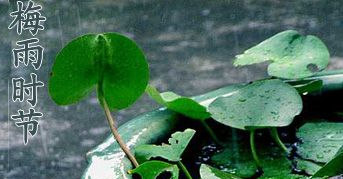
column 232, row 132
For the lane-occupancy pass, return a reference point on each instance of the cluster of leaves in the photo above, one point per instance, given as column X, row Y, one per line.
column 117, row 68
column 171, row 152
column 267, row 104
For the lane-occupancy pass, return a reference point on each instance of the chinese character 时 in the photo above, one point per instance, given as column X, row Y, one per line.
column 27, row 122
column 28, row 53
column 27, row 19
column 20, row 88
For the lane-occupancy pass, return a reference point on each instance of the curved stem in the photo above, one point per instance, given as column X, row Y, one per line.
column 211, row 132
column 253, row 149
column 184, row 169
column 116, row 135
column 275, row 135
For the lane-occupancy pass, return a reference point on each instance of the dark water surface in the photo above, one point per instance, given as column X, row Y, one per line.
column 190, row 46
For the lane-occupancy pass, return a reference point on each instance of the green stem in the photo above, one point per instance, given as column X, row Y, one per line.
column 253, row 149
column 184, row 169
column 116, row 134
column 211, row 132
column 275, row 135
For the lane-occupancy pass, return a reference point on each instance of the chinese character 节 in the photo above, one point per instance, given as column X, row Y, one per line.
column 27, row 122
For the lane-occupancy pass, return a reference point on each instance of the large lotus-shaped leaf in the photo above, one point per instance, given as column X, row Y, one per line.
column 112, row 62
column 267, row 103
column 292, row 55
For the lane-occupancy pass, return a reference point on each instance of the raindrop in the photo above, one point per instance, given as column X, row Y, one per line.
column 312, row 67
column 320, row 156
column 242, row 100
column 327, row 151
column 274, row 112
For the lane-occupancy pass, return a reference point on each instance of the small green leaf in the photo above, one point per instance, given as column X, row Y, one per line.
column 293, row 55
column 333, row 167
column 172, row 151
column 320, row 141
column 110, row 61
column 262, row 104
column 183, row 105
column 152, row 169
column 307, row 86
column 208, row 172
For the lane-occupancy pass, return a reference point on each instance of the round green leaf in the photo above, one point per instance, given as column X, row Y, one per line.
column 111, row 61
column 127, row 73
column 74, row 74
column 152, row 169
column 262, row 104
column 292, row 54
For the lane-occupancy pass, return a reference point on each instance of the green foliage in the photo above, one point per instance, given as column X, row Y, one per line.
column 262, row 104
column 117, row 67
column 320, row 141
column 172, row 151
column 111, row 62
column 152, row 169
column 307, row 86
column 292, row 55
column 208, row 172
column 236, row 158
column 289, row 176
column 308, row 166
column 333, row 167
column 183, row 105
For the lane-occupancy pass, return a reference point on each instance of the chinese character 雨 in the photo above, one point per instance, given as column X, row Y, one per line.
column 27, row 122
column 27, row 19
column 20, row 88
column 28, row 53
